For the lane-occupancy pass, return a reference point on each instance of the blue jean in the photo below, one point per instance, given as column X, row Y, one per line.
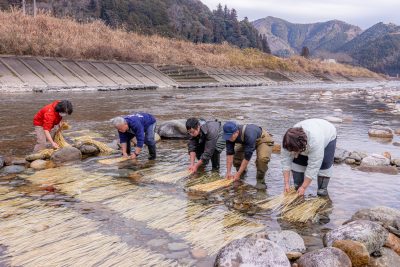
column 149, row 139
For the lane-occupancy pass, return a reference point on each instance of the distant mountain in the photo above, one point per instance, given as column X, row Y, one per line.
column 286, row 38
column 377, row 48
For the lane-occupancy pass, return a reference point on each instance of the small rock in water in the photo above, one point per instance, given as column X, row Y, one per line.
column 333, row 119
column 199, row 253
column 12, row 169
column 1, row 162
column 381, row 132
column 292, row 256
column 382, row 123
column 247, row 105
column 387, row 155
column 158, row 242
column 396, row 143
column 396, row 162
column 356, row 251
column 19, row 161
column 180, row 96
column 66, row 154
column 397, row 131
column 40, row 164
column 177, row 246
column 338, row 110
column 332, row 257
column 350, row 161
column 240, row 118
column 89, row 150
column 375, row 160
column 341, row 155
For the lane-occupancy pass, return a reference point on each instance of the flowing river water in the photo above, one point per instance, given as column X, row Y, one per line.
column 124, row 215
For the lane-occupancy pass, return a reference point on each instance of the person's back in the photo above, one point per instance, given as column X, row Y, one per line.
column 142, row 118
column 319, row 132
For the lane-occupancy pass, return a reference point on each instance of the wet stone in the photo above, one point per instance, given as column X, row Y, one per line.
column 48, row 197
column 341, row 155
column 199, row 253
column 393, row 242
column 356, row 251
column 290, row 241
column 396, row 143
column 177, row 246
column 12, row 169
column 157, row 242
column 89, row 150
column 332, row 257
column 292, row 256
column 388, row 258
column 1, row 162
column 375, row 160
column 350, row 161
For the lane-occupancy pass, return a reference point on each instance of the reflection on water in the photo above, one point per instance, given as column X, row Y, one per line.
column 131, row 207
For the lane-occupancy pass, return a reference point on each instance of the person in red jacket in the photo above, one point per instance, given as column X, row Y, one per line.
column 45, row 120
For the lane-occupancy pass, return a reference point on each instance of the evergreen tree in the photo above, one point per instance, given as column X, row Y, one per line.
column 305, row 52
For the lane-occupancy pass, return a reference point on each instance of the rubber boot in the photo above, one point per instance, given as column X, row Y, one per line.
column 215, row 159
column 323, row 182
column 298, row 179
column 152, row 152
column 260, row 180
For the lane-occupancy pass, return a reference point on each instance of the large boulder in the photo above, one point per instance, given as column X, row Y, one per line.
column 40, row 164
column 325, row 257
column 389, row 258
column 341, row 155
column 66, row 154
column 371, row 234
column 251, row 252
column 12, row 169
column 356, row 251
column 288, row 240
column 393, row 242
column 175, row 129
column 387, row 217
column 375, row 160
column 380, row 132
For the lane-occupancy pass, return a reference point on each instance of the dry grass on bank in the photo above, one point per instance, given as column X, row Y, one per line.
column 54, row 37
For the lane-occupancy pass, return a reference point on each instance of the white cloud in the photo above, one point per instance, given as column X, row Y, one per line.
column 362, row 13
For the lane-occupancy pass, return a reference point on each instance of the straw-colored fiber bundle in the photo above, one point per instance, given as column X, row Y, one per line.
column 87, row 140
column 170, row 177
column 211, row 187
column 48, row 236
column 280, row 202
column 43, row 154
column 59, row 138
column 113, row 160
column 305, row 211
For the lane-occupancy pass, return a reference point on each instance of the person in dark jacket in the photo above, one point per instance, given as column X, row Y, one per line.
column 45, row 121
column 206, row 142
column 139, row 125
column 241, row 142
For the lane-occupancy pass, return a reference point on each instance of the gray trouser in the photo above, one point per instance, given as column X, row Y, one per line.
column 41, row 141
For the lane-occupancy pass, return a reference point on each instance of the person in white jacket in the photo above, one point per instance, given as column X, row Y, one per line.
column 308, row 153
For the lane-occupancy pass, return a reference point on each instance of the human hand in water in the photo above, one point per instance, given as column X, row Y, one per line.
column 193, row 168
column 55, row 145
column 287, row 188
column 229, row 176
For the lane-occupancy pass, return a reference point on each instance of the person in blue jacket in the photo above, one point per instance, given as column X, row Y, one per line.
column 140, row 125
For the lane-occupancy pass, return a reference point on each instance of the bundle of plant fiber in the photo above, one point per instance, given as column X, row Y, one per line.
column 59, row 138
column 43, row 154
column 211, row 186
column 113, row 161
column 304, row 211
column 281, row 202
column 87, row 140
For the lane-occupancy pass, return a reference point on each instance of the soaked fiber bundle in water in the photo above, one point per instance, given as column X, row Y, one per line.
column 113, row 160
column 281, row 202
column 48, row 236
column 42, row 154
column 104, row 149
column 211, row 187
column 59, row 138
column 304, row 211
column 171, row 177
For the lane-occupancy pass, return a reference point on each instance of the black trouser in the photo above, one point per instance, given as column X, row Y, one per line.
column 327, row 162
column 215, row 158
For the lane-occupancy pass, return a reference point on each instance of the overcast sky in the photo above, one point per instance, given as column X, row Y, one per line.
column 363, row 13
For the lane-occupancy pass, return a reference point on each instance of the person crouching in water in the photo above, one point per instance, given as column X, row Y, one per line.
column 139, row 125
column 247, row 137
column 45, row 121
column 206, row 142
column 308, row 153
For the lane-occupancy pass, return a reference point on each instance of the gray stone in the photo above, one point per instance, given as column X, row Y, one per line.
column 290, row 241
column 89, row 150
column 389, row 258
column 175, row 129
column 252, row 252
column 380, row 169
column 12, row 169
column 371, row 234
column 375, row 160
column 292, row 256
column 19, row 161
column 178, row 255
column 66, row 154
column 388, row 217
column 396, row 143
column 380, row 132
column 381, row 123
column 341, row 155
column 158, row 242
column 1, row 162
column 325, row 257
column 177, row 246
column 357, row 156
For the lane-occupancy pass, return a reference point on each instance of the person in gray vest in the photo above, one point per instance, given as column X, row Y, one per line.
column 308, row 153
column 205, row 143
column 241, row 142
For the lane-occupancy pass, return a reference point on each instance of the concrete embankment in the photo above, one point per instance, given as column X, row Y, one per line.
column 22, row 73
